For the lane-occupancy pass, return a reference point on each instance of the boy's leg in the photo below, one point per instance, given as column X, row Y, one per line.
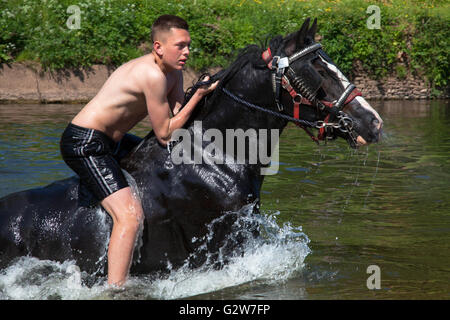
column 88, row 152
column 127, row 214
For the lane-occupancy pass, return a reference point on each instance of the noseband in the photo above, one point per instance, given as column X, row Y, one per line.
column 303, row 88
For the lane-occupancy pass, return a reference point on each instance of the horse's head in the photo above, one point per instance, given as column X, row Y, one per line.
column 308, row 85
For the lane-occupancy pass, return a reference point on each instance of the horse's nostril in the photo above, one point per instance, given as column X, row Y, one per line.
column 377, row 124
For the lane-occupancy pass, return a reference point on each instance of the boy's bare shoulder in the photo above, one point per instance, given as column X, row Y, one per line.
column 145, row 72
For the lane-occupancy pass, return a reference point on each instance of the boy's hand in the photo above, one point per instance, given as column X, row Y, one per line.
column 204, row 90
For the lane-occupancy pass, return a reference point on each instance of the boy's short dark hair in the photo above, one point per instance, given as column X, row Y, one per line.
column 165, row 22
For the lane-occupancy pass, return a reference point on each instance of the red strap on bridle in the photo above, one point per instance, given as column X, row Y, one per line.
column 355, row 93
column 321, row 135
column 267, row 57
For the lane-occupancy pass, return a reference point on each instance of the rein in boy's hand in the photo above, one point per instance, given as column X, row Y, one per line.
column 203, row 90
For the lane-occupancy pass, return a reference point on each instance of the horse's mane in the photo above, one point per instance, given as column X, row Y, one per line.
column 250, row 54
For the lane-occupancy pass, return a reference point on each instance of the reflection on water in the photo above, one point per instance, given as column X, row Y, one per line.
column 385, row 205
column 382, row 205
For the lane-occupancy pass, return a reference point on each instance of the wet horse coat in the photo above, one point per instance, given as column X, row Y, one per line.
column 183, row 203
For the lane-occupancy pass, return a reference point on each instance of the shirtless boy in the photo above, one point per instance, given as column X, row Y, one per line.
column 150, row 85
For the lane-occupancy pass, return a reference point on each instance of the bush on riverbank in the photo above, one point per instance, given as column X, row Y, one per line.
column 413, row 37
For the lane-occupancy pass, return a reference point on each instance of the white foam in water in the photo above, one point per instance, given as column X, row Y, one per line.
column 276, row 256
column 273, row 261
column 31, row 278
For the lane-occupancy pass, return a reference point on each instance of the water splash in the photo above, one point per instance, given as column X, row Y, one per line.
column 275, row 256
column 33, row 279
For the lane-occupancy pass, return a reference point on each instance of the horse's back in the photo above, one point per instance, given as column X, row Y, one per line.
column 37, row 221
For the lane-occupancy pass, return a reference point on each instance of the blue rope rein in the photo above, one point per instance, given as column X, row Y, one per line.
column 271, row 112
column 250, row 105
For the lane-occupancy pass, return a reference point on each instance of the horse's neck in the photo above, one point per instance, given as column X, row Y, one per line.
column 225, row 121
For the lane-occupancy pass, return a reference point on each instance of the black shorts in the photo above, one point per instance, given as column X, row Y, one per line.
column 89, row 153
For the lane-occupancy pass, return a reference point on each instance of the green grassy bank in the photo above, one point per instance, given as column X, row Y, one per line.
column 413, row 37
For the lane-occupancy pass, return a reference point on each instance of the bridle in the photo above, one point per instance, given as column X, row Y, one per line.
column 303, row 88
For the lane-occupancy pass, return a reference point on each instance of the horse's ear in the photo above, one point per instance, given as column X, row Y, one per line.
column 312, row 31
column 303, row 30
column 296, row 40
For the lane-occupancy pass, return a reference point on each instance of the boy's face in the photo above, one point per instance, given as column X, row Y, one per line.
column 175, row 48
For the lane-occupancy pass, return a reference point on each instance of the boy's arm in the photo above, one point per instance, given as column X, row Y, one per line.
column 176, row 96
column 159, row 109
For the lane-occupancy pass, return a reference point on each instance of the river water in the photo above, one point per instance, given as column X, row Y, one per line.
column 332, row 216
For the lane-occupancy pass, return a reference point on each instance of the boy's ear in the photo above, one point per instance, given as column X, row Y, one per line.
column 158, row 48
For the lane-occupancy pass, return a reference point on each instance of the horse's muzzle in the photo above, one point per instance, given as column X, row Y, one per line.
column 373, row 135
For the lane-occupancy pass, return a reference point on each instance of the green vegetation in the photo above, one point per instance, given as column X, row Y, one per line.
column 413, row 37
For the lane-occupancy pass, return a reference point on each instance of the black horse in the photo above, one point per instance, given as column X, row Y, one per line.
column 191, row 208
